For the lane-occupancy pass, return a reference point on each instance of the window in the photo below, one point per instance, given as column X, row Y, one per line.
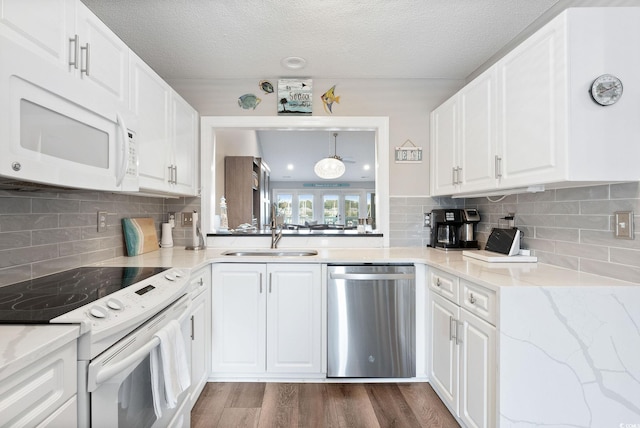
column 305, row 208
column 351, row 210
column 284, row 203
column 331, row 212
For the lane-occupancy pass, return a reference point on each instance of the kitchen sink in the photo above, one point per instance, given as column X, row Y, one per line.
column 270, row 253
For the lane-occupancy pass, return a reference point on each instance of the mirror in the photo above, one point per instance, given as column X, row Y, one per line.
column 358, row 129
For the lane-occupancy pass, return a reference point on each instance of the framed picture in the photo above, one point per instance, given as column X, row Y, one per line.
column 294, row 96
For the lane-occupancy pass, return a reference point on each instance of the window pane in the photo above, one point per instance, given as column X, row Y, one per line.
column 351, row 210
column 284, row 204
column 305, row 208
column 330, row 212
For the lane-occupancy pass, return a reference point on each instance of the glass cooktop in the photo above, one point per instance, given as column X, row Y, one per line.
column 38, row 300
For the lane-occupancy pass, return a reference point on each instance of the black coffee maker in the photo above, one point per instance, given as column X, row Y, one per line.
column 454, row 228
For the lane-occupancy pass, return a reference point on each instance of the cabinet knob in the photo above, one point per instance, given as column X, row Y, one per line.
column 472, row 299
column 438, row 282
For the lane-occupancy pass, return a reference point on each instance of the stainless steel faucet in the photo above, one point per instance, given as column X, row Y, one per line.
column 275, row 235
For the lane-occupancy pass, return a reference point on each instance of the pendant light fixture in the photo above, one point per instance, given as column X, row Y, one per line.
column 332, row 166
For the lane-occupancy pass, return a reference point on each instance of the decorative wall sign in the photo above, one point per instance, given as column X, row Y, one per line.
column 294, row 96
column 266, row 86
column 408, row 154
column 328, row 98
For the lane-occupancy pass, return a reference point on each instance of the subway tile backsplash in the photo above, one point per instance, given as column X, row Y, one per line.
column 43, row 232
column 46, row 232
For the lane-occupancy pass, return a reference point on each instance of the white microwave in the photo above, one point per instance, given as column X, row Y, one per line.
column 58, row 131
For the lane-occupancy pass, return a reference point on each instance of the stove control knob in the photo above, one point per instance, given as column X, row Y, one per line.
column 115, row 304
column 98, row 312
column 170, row 277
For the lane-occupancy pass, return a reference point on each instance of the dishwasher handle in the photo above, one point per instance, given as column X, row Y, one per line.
column 371, row 276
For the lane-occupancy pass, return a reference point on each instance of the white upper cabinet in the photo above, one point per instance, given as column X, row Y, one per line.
column 463, row 139
column 167, row 134
column 532, row 112
column 68, row 34
column 538, row 124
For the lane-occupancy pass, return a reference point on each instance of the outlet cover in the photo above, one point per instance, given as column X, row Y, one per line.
column 427, row 220
column 623, row 222
column 102, row 221
column 187, row 218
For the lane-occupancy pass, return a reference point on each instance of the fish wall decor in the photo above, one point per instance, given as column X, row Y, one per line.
column 266, row 86
column 248, row 101
column 328, row 98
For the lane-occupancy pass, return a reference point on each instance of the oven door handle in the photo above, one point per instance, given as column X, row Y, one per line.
column 106, row 373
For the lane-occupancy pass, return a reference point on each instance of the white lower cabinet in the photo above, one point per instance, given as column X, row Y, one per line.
column 200, row 320
column 267, row 319
column 462, row 364
column 44, row 393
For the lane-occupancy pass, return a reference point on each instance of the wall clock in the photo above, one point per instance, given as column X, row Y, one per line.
column 606, row 90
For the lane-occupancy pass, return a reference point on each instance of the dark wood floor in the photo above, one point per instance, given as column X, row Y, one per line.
column 320, row 405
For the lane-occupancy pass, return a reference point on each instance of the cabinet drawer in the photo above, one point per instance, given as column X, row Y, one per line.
column 479, row 300
column 444, row 284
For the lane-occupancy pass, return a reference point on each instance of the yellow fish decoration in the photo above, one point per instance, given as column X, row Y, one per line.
column 328, row 98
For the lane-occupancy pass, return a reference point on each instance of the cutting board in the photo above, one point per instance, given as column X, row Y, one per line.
column 139, row 235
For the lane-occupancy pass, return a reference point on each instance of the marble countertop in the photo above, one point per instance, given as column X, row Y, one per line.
column 491, row 275
column 22, row 345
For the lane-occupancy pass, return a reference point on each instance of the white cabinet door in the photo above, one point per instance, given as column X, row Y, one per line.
column 444, row 140
column 478, row 133
column 104, row 58
column 200, row 333
column 443, row 372
column 294, row 304
column 239, row 313
column 44, row 26
column 533, row 110
column 477, row 371
column 150, row 102
column 185, row 146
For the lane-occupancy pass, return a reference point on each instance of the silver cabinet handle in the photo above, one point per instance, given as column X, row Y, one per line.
column 74, row 48
column 371, row 276
column 270, row 281
column 498, row 166
column 170, row 179
column 453, row 176
column 457, row 335
column 175, row 174
column 87, row 59
column 458, row 180
column 451, row 328
column 193, row 329
column 261, row 283
column 472, row 299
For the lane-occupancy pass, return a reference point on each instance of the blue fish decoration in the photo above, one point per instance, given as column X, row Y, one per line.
column 248, row 101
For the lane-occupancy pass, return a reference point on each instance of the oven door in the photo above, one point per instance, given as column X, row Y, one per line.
column 120, row 378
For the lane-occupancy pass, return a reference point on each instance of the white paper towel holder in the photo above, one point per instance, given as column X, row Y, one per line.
column 197, row 235
column 167, row 238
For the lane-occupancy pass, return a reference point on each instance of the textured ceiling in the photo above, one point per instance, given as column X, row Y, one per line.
column 218, row 39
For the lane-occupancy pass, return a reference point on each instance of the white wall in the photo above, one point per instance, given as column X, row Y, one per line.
column 407, row 103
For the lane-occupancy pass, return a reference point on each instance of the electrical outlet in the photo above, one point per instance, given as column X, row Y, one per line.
column 427, row 220
column 623, row 223
column 187, row 218
column 102, row 221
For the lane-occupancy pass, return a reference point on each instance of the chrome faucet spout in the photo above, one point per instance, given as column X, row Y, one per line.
column 275, row 234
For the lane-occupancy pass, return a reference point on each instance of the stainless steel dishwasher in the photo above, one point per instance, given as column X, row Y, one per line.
column 371, row 321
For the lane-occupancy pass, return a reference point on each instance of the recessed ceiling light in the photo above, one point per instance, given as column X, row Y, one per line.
column 366, row 167
column 293, row 62
column 290, row 167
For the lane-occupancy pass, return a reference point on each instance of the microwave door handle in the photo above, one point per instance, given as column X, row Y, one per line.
column 140, row 354
column 125, row 150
